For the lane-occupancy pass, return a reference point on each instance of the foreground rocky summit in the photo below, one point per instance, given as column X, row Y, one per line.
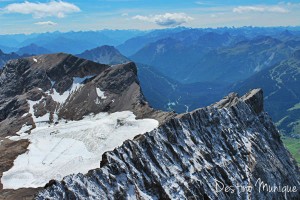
column 195, row 155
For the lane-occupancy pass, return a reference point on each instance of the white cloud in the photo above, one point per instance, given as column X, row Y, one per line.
column 167, row 19
column 48, row 23
column 261, row 8
column 39, row 10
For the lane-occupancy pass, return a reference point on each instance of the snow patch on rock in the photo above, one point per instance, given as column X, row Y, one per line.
column 71, row 147
column 62, row 98
column 100, row 93
column 44, row 118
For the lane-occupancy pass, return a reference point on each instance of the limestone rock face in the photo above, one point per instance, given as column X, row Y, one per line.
column 67, row 87
column 230, row 143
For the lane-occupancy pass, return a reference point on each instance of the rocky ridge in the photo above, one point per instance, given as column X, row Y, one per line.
column 232, row 143
column 65, row 86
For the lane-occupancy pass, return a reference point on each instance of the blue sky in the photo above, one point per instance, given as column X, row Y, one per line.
column 30, row 16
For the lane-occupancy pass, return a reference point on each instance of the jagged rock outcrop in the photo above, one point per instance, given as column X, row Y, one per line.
column 231, row 143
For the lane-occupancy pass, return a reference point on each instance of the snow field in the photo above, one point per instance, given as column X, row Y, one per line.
column 71, row 147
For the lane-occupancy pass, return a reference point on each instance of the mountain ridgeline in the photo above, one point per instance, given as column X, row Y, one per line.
column 32, row 49
column 214, row 57
column 105, row 55
column 68, row 42
column 282, row 94
column 31, row 78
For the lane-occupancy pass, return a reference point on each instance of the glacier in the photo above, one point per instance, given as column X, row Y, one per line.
column 69, row 147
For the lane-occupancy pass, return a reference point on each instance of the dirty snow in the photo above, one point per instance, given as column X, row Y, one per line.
column 97, row 101
column 100, row 93
column 44, row 118
column 61, row 98
column 71, row 147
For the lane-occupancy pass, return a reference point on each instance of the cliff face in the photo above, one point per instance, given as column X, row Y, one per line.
column 194, row 156
column 37, row 79
column 63, row 86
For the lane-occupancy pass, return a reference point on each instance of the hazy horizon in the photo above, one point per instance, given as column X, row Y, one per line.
column 294, row 28
column 76, row 15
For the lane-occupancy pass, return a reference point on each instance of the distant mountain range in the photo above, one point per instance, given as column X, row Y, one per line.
column 282, row 99
column 26, row 51
column 162, row 92
column 181, row 69
column 32, row 49
column 7, row 49
column 214, row 57
column 105, row 55
column 132, row 45
column 69, row 42
column 135, row 44
column 6, row 57
column 281, row 85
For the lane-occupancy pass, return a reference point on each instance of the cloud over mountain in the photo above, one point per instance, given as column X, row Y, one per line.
column 167, row 19
column 48, row 23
